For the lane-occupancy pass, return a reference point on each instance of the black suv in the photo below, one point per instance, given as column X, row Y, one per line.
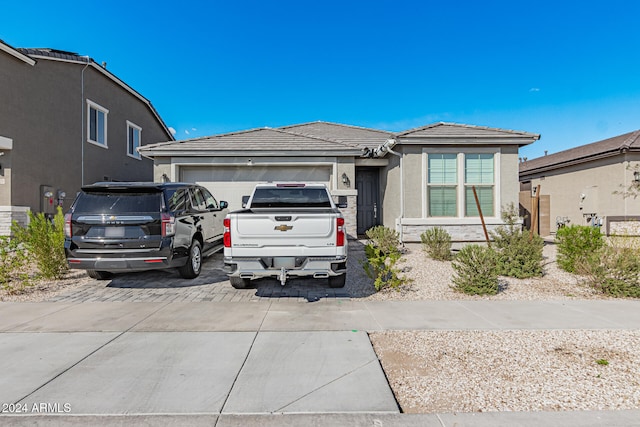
column 133, row 226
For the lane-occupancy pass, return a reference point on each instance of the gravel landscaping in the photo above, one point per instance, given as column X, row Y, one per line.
column 472, row 371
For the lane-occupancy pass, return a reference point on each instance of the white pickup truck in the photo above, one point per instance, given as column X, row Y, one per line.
column 286, row 230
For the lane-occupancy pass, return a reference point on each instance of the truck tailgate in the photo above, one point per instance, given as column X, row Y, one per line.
column 287, row 233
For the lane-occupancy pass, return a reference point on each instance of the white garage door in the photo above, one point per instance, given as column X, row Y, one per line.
column 230, row 183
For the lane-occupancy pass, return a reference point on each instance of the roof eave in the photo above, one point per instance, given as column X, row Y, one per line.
column 19, row 55
column 176, row 152
column 572, row 162
column 468, row 140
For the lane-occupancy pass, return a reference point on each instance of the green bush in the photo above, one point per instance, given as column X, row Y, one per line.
column 44, row 240
column 476, row 271
column 384, row 238
column 616, row 271
column 383, row 252
column 437, row 243
column 578, row 247
column 12, row 265
column 519, row 254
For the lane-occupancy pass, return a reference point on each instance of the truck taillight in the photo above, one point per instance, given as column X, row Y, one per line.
column 67, row 225
column 340, row 232
column 168, row 225
column 227, row 232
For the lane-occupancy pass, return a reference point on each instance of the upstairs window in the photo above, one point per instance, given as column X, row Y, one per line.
column 97, row 124
column 133, row 139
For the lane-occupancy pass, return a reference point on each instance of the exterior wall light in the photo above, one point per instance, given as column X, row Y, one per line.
column 345, row 179
column 636, row 177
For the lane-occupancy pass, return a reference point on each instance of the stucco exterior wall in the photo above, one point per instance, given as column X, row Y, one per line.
column 43, row 111
column 586, row 190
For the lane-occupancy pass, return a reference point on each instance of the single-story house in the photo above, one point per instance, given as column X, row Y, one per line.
column 595, row 184
column 408, row 181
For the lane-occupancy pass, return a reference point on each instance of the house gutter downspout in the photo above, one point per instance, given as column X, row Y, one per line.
column 82, row 131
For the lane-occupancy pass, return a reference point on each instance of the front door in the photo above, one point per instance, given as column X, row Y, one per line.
column 368, row 188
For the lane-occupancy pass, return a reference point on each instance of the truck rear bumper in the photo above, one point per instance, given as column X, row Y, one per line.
column 284, row 267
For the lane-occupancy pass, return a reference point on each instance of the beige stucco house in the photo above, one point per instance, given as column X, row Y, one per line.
column 408, row 181
column 587, row 184
column 66, row 121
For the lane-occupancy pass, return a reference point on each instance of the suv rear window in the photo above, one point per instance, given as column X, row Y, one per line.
column 122, row 203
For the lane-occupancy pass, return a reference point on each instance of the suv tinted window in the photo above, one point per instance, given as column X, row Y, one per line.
column 122, row 203
column 209, row 200
column 198, row 200
column 179, row 201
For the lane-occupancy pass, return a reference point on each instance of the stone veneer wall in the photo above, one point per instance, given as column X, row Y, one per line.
column 350, row 214
column 623, row 226
column 8, row 214
column 458, row 233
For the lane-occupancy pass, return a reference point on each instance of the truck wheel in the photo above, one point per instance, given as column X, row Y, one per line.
column 192, row 268
column 337, row 281
column 239, row 282
column 99, row 275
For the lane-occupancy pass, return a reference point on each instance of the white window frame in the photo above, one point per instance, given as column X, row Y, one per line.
column 136, row 153
column 97, row 107
column 460, row 183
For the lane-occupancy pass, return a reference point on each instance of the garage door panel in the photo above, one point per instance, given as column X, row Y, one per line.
column 231, row 183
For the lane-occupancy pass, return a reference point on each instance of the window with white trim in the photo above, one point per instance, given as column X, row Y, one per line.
column 97, row 124
column 479, row 173
column 134, row 133
column 450, row 179
column 442, row 184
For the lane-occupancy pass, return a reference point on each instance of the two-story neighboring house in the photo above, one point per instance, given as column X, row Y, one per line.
column 66, row 121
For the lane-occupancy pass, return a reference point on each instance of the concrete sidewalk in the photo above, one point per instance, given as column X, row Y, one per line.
column 251, row 363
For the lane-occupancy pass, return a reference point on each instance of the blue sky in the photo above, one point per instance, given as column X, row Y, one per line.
column 569, row 70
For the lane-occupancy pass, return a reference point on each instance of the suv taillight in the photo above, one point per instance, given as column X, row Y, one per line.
column 227, row 232
column 67, row 225
column 340, row 232
column 168, row 225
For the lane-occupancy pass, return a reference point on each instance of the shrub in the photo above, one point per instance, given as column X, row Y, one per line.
column 476, row 271
column 12, row 265
column 578, row 247
column 616, row 271
column 518, row 253
column 44, row 240
column 383, row 252
column 437, row 243
column 384, row 238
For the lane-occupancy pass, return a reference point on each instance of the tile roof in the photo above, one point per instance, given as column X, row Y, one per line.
column 54, row 53
column 262, row 141
column 584, row 153
column 456, row 130
column 360, row 136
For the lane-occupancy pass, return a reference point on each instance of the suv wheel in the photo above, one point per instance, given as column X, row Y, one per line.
column 192, row 268
column 99, row 275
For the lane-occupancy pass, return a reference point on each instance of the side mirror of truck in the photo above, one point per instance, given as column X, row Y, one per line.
column 245, row 200
column 342, row 202
column 224, row 204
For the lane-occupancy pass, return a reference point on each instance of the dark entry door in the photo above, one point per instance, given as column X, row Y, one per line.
column 368, row 188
